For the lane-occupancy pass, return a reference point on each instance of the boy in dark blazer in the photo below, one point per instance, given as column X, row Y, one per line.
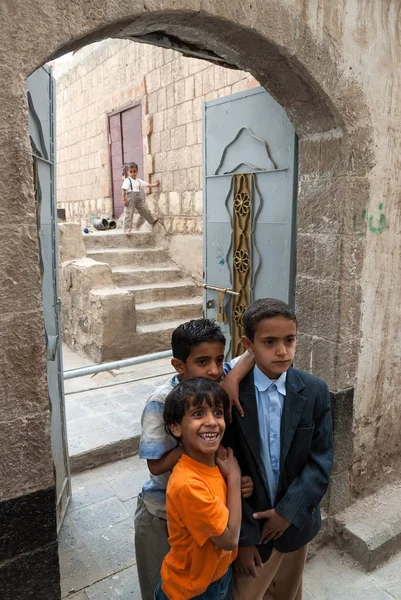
column 284, row 443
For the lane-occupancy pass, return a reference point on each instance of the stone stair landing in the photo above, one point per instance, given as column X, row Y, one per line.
column 370, row 529
column 164, row 297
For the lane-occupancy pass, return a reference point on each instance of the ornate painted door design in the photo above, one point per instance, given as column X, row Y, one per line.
column 250, row 175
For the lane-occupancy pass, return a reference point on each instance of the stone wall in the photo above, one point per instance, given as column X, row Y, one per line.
column 110, row 75
column 334, row 66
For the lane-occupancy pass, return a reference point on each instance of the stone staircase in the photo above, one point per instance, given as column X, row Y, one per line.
column 370, row 529
column 140, row 266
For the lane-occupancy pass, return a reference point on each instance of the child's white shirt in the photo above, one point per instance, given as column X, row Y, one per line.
column 138, row 185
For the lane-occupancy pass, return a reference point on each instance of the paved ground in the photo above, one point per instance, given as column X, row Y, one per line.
column 97, row 554
column 102, row 409
column 333, row 575
column 96, row 542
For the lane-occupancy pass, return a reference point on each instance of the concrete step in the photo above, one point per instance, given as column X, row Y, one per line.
column 157, row 336
column 117, row 239
column 116, row 257
column 370, row 529
column 131, row 276
column 155, row 292
column 103, row 454
column 169, row 310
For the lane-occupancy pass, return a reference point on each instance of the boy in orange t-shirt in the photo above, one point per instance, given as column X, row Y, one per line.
column 203, row 497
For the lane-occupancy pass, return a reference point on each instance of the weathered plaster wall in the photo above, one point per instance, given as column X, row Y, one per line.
column 365, row 40
column 378, row 404
column 187, row 252
column 25, row 460
column 108, row 76
column 333, row 66
column 27, row 496
column 96, row 312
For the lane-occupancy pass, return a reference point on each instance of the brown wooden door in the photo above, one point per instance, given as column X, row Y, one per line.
column 125, row 139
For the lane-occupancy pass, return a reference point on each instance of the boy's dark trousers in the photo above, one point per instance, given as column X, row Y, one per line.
column 306, row 458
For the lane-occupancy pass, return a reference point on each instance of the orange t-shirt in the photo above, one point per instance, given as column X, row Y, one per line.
column 196, row 511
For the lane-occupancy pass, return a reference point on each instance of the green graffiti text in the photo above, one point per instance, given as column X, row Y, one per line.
column 376, row 223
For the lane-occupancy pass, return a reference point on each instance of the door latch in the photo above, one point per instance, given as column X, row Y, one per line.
column 52, row 345
column 221, row 292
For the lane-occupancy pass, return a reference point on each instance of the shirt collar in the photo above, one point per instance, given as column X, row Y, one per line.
column 262, row 382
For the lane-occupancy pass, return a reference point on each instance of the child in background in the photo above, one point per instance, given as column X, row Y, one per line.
column 203, row 497
column 198, row 351
column 133, row 195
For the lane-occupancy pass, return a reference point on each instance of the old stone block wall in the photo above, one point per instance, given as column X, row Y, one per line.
column 110, row 75
column 334, row 67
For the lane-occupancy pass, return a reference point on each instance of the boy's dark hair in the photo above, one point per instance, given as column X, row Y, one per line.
column 132, row 165
column 265, row 308
column 193, row 392
column 192, row 333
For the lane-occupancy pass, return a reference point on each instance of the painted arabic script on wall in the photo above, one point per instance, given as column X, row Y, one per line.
column 377, row 223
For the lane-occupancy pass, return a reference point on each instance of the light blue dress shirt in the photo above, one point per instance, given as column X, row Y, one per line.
column 270, row 401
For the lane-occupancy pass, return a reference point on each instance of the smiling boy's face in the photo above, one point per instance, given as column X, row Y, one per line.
column 204, row 360
column 201, row 431
column 273, row 345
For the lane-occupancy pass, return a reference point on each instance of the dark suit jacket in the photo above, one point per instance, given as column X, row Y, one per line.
column 305, row 462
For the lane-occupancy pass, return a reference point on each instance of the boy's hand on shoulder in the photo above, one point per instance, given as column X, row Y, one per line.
column 248, row 560
column 246, row 486
column 274, row 526
column 246, row 481
column 231, row 386
column 228, row 466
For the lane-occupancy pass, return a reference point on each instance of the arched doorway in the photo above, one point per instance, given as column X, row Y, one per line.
column 298, row 70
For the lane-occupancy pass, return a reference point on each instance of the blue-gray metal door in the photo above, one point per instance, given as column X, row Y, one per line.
column 41, row 103
column 250, row 175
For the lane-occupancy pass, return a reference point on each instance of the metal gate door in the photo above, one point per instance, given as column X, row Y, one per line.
column 125, row 145
column 250, row 173
column 41, row 101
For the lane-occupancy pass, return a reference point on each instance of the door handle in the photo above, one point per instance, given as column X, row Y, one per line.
column 221, row 292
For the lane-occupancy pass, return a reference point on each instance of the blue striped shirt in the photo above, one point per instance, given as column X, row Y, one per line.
column 155, row 442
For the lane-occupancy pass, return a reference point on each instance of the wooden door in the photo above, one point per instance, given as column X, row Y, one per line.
column 125, row 140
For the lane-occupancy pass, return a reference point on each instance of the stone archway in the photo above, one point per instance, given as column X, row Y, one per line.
column 277, row 45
